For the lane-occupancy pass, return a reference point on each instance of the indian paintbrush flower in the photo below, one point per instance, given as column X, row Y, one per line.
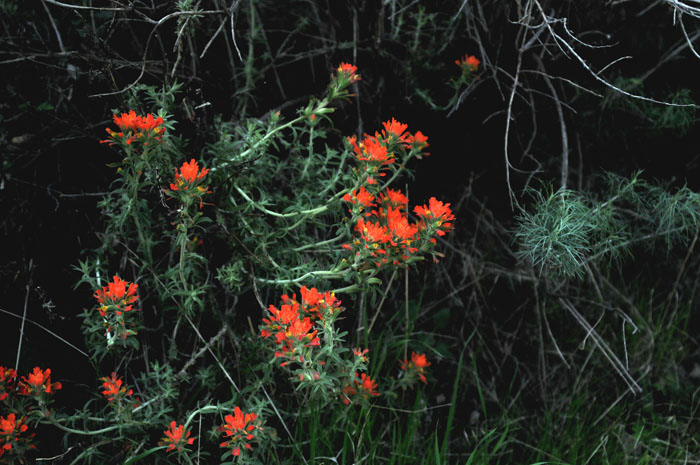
column 176, row 437
column 10, row 440
column 415, row 367
column 188, row 183
column 239, row 430
column 135, row 128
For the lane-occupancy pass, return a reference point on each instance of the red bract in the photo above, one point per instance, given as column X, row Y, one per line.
column 361, row 385
column 39, row 381
column 135, row 128
column 174, row 438
column 418, row 141
column 468, row 63
column 348, row 71
column 113, row 389
column 239, row 428
column 395, row 132
column 189, row 173
column 8, row 377
column 10, row 440
column 117, row 294
column 435, row 216
column 188, row 182
column 416, row 366
column 362, row 198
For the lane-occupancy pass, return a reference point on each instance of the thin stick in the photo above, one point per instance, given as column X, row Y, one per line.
column 21, row 328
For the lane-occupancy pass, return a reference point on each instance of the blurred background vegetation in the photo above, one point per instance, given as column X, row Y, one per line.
column 563, row 317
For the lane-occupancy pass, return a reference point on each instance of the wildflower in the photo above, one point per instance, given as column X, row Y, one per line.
column 436, row 216
column 39, row 381
column 10, row 430
column 116, row 303
column 394, row 199
column 348, row 71
column 8, row 377
column 174, row 438
column 239, row 428
column 113, row 389
column 189, row 179
column 416, row 366
column 418, row 141
column 361, row 385
column 468, row 63
column 395, row 132
column 117, row 294
column 135, row 128
column 362, row 198
column 361, row 354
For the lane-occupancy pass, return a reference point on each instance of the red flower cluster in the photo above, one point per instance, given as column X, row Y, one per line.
column 113, row 389
column 361, row 385
column 385, row 235
column 116, row 302
column 377, row 153
column 188, row 182
column 239, row 429
column 468, row 63
column 174, row 438
column 38, row 383
column 8, row 378
column 135, row 128
column 348, row 72
column 293, row 324
column 10, row 440
column 435, row 217
column 415, row 367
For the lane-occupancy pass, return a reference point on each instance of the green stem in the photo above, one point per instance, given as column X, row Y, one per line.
column 90, row 433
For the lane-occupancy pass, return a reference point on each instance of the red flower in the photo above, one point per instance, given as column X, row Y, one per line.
column 39, row 381
column 436, row 215
column 361, row 385
column 468, row 63
column 361, row 354
column 239, row 428
column 135, row 127
column 394, row 131
column 416, row 366
column 10, row 430
column 348, row 71
column 113, row 389
column 188, row 181
column 189, row 174
column 418, row 140
column 8, row 377
column 174, row 437
column 116, row 293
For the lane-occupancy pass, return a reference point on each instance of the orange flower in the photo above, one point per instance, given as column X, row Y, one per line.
column 10, row 430
column 38, row 381
column 188, row 182
column 113, row 389
column 468, row 63
column 418, row 141
column 189, row 174
column 116, row 293
column 135, row 127
column 8, row 377
column 436, row 215
column 348, row 71
column 174, row 437
column 361, row 385
column 361, row 354
column 394, row 131
column 239, row 428
column 416, row 366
